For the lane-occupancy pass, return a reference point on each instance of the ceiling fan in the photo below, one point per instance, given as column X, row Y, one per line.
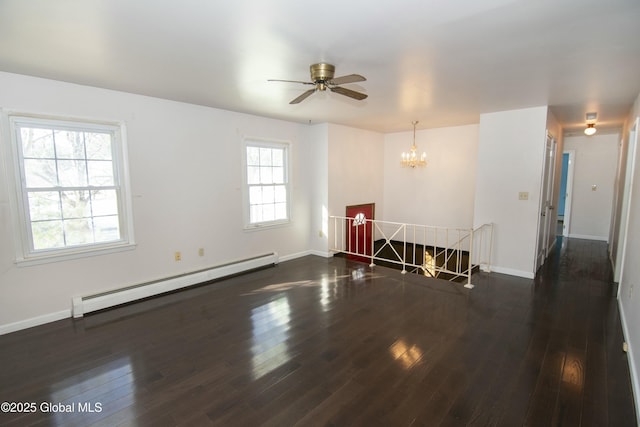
column 322, row 78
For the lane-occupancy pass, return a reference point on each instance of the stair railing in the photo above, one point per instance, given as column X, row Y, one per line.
column 439, row 252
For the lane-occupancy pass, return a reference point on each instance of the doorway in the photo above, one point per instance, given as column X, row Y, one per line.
column 546, row 231
column 360, row 235
column 564, row 196
column 626, row 201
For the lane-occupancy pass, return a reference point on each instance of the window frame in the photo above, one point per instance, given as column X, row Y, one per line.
column 26, row 254
column 273, row 144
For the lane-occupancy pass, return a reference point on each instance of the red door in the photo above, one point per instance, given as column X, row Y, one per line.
column 360, row 234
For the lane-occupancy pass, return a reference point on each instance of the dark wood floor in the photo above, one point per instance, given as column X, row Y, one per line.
column 331, row 342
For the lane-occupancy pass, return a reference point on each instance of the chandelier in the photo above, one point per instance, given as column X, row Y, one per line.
column 411, row 159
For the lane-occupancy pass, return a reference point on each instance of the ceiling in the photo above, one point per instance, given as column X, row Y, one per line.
column 440, row 62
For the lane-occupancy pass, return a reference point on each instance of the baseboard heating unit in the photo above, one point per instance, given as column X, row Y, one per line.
column 82, row 305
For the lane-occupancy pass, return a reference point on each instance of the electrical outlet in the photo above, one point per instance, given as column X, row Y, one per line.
column 523, row 195
column 178, row 256
column 201, row 252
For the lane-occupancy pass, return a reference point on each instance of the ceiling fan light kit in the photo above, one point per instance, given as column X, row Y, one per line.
column 322, row 79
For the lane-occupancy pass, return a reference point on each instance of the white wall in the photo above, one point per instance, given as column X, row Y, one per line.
column 317, row 165
column 186, row 182
column 356, row 162
column 510, row 155
column 629, row 292
column 595, row 164
column 442, row 193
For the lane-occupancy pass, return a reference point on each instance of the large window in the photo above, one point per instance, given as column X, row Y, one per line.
column 267, row 183
column 70, row 182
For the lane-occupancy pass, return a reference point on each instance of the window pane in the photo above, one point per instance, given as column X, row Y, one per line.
column 47, row 234
column 253, row 156
column 40, row 173
column 268, row 194
column 78, row 231
column 37, row 143
column 255, row 195
column 69, row 144
column 266, row 175
column 44, row 205
column 72, row 173
column 281, row 210
column 266, row 167
column 278, row 175
column 100, row 173
column 277, row 157
column 76, row 204
column 265, row 156
column 106, row 228
column 253, row 175
column 280, row 194
column 255, row 213
column 104, row 202
column 268, row 213
column 98, row 146
column 70, row 186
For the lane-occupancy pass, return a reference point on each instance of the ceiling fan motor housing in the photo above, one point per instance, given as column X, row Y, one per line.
column 322, row 72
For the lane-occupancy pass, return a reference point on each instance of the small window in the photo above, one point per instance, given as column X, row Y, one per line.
column 71, row 183
column 267, row 179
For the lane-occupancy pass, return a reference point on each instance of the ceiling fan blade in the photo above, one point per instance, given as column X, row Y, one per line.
column 351, row 78
column 302, row 97
column 348, row 92
column 290, row 81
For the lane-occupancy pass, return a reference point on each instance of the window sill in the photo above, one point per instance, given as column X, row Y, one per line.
column 77, row 254
column 267, row 225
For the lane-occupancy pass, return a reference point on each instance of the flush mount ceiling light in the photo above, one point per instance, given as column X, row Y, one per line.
column 590, row 129
column 591, row 124
column 411, row 158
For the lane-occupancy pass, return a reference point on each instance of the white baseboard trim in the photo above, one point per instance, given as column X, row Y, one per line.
column 513, row 272
column 323, row 254
column 34, row 321
column 635, row 379
column 289, row 257
column 589, row 237
column 305, row 253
